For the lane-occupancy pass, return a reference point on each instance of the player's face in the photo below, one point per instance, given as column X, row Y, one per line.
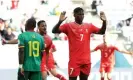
column 43, row 28
column 79, row 16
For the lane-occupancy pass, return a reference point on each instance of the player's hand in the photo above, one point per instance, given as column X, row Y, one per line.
column 102, row 16
column 131, row 53
column 22, row 71
column 62, row 16
column 4, row 41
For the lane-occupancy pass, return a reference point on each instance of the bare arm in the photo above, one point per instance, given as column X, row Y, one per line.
column 21, row 55
column 53, row 49
column 14, row 41
column 56, row 27
column 125, row 52
column 96, row 48
column 93, row 50
column 103, row 28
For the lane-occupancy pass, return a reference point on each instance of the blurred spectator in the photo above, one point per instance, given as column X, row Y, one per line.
column 9, row 35
column 6, row 24
column 94, row 7
column 1, row 3
column 23, row 21
column 120, row 25
column 35, row 14
column 44, row 2
column 14, row 4
column 2, row 31
column 131, row 21
column 100, row 3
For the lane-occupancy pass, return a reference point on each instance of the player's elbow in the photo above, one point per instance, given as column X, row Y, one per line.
column 55, row 31
column 101, row 32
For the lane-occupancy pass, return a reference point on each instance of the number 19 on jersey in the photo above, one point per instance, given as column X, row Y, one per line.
column 33, row 48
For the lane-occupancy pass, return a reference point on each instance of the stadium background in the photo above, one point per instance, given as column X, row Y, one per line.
column 49, row 11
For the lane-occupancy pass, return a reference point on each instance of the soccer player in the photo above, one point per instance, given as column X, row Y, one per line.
column 78, row 34
column 48, row 60
column 107, row 57
column 31, row 45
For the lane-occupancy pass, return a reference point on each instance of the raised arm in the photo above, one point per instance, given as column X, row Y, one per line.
column 104, row 24
column 56, row 27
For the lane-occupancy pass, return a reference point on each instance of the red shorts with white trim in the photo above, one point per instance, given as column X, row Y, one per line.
column 106, row 67
column 74, row 68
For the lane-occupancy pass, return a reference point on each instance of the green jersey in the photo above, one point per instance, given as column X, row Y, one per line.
column 33, row 44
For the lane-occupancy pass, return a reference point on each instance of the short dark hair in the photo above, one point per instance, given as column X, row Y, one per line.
column 77, row 9
column 39, row 22
column 31, row 23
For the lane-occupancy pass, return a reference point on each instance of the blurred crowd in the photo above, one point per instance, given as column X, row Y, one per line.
column 14, row 13
column 13, row 16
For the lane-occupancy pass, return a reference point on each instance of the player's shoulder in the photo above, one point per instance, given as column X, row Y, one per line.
column 22, row 34
column 47, row 37
column 66, row 24
column 69, row 24
column 112, row 46
column 88, row 24
column 101, row 45
column 38, row 35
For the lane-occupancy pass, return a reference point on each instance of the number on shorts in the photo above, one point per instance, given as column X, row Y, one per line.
column 71, row 70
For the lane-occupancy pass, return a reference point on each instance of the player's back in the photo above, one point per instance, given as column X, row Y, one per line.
column 33, row 44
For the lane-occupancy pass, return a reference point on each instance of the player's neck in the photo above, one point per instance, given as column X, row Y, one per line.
column 78, row 22
column 30, row 30
column 41, row 34
column 105, row 44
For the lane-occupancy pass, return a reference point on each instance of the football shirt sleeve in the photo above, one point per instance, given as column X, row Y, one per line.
column 20, row 41
column 53, row 46
column 63, row 28
column 94, row 29
column 96, row 48
column 115, row 48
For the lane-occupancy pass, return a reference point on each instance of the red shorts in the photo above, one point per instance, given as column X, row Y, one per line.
column 50, row 64
column 106, row 67
column 74, row 68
